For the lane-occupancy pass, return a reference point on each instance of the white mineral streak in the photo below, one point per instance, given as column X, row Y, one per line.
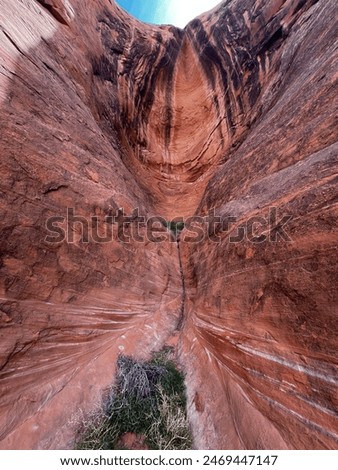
column 22, row 26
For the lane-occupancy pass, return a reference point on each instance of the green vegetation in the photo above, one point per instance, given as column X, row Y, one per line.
column 148, row 399
column 176, row 226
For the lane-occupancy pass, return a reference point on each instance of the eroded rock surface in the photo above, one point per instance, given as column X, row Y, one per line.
column 233, row 114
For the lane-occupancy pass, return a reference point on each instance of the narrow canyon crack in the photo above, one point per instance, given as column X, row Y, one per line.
column 181, row 320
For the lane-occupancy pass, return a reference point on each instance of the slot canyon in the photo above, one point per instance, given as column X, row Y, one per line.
column 233, row 118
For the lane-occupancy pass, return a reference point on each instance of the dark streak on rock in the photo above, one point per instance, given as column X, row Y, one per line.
column 53, row 10
column 53, row 186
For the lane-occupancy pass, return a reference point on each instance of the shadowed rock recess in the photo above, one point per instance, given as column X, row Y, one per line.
column 235, row 114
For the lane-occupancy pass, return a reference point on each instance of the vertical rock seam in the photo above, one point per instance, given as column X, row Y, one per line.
column 182, row 312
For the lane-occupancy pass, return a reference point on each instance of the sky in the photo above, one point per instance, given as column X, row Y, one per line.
column 176, row 12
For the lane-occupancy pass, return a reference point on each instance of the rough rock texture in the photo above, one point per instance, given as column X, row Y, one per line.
column 232, row 114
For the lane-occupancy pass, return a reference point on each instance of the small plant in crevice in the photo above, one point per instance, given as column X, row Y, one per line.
column 148, row 399
column 175, row 226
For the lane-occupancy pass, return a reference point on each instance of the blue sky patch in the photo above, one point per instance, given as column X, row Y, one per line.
column 176, row 12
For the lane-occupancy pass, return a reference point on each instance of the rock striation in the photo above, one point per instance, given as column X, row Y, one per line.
column 231, row 119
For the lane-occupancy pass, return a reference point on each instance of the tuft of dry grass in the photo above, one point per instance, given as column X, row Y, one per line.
column 170, row 431
column 96, row 432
